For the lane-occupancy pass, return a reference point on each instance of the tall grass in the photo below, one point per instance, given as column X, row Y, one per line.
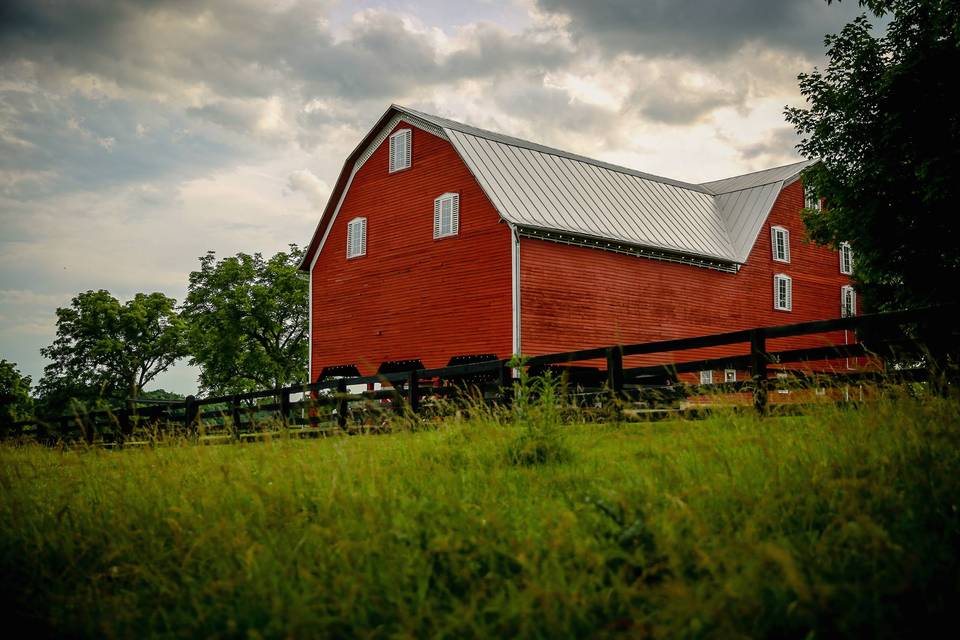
column 841, row 523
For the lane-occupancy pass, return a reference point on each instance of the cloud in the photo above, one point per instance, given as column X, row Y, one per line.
column 313, row 188
column 702, row 29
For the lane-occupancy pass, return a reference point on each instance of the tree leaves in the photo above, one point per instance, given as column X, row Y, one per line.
column 247, row 321
column 105, row 349
column 882, row 120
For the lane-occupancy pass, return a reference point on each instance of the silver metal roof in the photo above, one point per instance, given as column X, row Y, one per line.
column 540, row 188
column 547, row 191
column 757, row 178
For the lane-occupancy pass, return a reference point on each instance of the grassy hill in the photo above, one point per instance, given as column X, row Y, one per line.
column 840, row 523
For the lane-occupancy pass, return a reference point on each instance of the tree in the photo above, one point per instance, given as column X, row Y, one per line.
column 882, row 121
column 247, row 321
column 15, row 401
column 108, row 350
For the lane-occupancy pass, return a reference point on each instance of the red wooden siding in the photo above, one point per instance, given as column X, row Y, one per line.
column 412, row 296
column 575, row 297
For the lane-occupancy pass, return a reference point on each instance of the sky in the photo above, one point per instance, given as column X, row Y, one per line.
column 136, row 135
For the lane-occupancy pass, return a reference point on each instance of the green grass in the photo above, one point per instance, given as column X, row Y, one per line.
column 842, row 523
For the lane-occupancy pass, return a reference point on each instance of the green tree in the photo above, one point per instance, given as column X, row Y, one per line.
column 15, row 401
column 882, row 120
column 108, row 350
column 247, row 321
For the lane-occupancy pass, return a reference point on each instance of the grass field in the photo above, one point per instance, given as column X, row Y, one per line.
column 841, row 523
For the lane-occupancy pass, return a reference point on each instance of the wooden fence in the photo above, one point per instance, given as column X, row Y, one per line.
column 889, row 342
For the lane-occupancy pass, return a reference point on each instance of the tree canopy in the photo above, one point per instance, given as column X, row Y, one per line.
column 883, row 123
column 105, row 349
column 247, row 320
column 15, row 401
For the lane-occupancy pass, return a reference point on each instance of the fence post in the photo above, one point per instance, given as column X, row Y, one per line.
column 615, row 378
column 505, row 380
column 341, row 403
column 413, row 391
column 285, row 407
column 235, row 417
column 190, row 411
column 758, row 368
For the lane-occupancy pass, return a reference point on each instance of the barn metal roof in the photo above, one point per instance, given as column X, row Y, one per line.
column 757, row 178
column 543, row 189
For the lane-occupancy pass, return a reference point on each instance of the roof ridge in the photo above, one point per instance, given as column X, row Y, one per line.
column 751, row 173
column 507, row 139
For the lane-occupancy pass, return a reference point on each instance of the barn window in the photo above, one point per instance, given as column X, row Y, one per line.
column 400, row 143
column 810, row 199
column 706, row 377
column 729, row 375
column 446, row 215
column 780, row 241
column 848, row 301
column 357, row 238
column 846, row 258
column 782, row 381
column 782, row 292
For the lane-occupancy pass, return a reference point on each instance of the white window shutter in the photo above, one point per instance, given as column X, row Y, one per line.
column 436, row 217
column 786, row 244
column 350, row 239
column 455, row 214
column 363, row 237
column 393, row 153
column 773, row 242
column 407, row 148
column 789, row 286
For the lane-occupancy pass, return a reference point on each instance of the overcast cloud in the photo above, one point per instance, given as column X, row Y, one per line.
column 137, row 135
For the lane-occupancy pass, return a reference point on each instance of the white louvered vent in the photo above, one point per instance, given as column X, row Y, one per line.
column 782, row 292
column 400, row 150
column 780, row 241
column 357, row 238
column 446, row 215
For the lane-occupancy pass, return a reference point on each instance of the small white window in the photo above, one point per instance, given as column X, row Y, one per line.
column 848, row 302
column 357, row 238
column 781, row 378
column 782, row 292
column 810, row 199
column 446, row 215
column 846, row 258
column 780, row 240
column 706, row 377
column 729, row 375
column 400, row 143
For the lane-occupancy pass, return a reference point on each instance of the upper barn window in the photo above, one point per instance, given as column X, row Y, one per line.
column 780, row 240
column 846, row 258
column 357, row 238
column 810, row 199
column 446, row 215
column 400, row 144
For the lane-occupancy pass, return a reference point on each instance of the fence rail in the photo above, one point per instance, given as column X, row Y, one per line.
column 927, row 336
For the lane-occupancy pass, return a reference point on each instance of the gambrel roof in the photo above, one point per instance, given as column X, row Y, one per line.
column 546, row 191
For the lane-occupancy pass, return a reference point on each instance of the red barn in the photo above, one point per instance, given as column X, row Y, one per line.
column 441, row 239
